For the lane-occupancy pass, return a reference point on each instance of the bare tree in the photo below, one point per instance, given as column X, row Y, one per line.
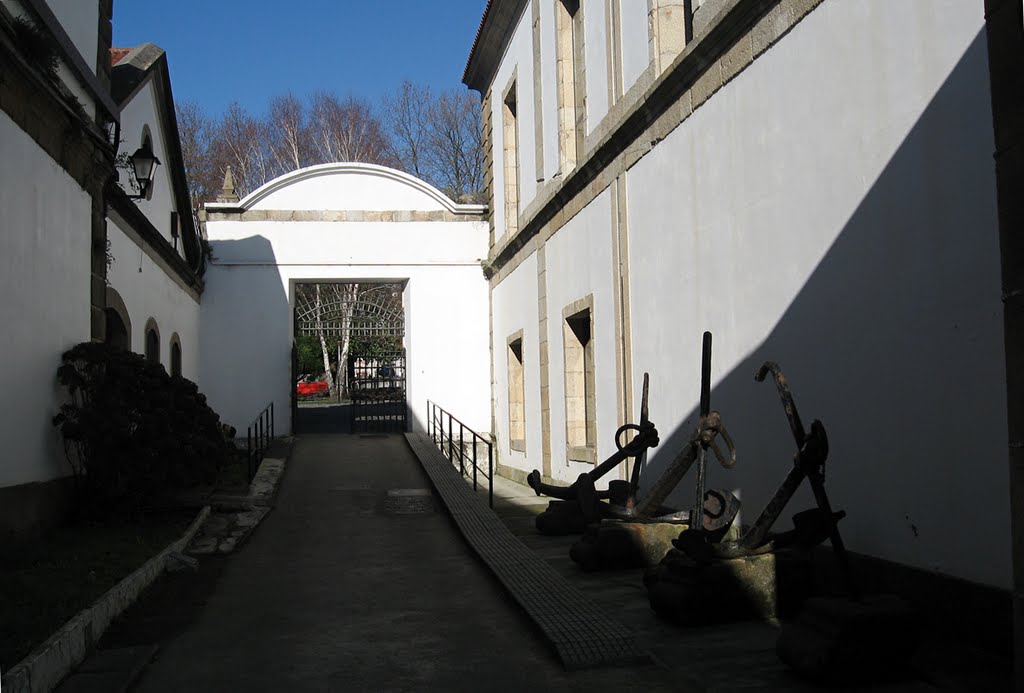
column 288, row 135
column 437, row 137
column 455, row 149
column 240, row 141
column 347, row 131
column 194, row 131
column 405, row 114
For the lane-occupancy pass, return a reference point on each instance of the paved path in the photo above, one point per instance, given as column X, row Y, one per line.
column 345, row 587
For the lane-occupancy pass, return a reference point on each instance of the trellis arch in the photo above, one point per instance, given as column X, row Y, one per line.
column 357, row 317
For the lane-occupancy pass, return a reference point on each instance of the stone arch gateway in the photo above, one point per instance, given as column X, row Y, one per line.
column 345, row 223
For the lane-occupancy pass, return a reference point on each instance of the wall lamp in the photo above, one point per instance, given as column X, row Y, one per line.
column 144, row 163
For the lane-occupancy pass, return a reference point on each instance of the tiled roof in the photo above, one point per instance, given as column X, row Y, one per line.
column 117, row 54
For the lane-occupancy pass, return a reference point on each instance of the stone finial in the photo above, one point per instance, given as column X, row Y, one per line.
column 227, row 192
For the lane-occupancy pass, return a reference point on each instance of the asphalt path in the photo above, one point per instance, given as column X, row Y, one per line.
column 359, row 581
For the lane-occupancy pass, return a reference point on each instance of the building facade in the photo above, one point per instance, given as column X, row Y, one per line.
column 83, row 260
column 809, row 180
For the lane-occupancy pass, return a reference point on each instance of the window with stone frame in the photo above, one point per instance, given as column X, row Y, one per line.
column 570, row 80
column 580, row 381
column 510, row 146
column 516, row 394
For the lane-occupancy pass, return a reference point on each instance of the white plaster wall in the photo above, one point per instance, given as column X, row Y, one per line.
column 515, row 308
column 247, row 315
column 833, row 209
column 354, row 190
column 148, row 292
column 633, row 31
column 595, row 47
column 549, row 94
column 518, row 58
column 579, row 262
column 81, row 20
column 140, row 112
column 45, row 246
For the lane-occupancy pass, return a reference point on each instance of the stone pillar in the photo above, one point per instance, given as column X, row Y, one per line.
column 669, row 28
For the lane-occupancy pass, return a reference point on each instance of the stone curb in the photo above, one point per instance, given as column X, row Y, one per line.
column 262, row 489
column 46, row 666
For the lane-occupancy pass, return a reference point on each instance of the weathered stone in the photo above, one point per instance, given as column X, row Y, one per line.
column 202, row 546
column 764, row 586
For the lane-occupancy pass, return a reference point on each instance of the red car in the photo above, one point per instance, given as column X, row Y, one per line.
column 306, row 389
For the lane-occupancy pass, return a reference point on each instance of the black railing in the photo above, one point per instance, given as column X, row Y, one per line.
column 257, row 439
column 451, row 436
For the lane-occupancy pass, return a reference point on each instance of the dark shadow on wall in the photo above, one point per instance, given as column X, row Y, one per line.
column 895, row 343
column 245, row 333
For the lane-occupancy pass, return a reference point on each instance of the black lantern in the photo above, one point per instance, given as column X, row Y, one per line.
column 144, row 164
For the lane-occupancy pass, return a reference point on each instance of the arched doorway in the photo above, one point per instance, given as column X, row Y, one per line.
column 348, row 357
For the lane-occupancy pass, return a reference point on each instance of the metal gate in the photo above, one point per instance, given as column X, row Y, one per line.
column 377, row 390
column 363, row 325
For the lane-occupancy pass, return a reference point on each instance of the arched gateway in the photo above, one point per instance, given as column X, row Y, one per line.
column 368, row 276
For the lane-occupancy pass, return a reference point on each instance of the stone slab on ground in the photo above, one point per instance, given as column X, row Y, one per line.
column 224, row 532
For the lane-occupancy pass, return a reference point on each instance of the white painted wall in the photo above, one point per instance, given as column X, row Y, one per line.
column 358, row 186
column 833, row 209
column 549, row 93
column 246, row 323
column 136, row 115
column 518, row 59
column 579, row 262
column 634, row 39
column 595, row 47
column 148, row 292
column 81, row 20
column 515, row 308
column 45, row 246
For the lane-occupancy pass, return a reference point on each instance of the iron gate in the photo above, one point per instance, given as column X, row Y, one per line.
column 364, row 326
column 377, row 391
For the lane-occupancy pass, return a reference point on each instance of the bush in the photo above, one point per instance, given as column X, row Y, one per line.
column 132, row 433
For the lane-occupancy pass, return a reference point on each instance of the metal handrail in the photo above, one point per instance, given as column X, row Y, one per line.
column 436, row 417
column 257, row 439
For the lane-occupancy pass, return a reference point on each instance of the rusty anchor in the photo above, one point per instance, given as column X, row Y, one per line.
column 582, row 503
column 811, row 527
column 638, row 531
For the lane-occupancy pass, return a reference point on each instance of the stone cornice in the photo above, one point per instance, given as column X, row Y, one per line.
column 397, row 215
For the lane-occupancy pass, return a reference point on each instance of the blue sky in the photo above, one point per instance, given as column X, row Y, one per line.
column 251, row 50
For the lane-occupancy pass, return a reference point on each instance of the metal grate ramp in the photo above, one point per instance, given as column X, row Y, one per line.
column 582, row 634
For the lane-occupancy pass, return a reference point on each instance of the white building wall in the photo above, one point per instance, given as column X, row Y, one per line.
column 833, row 209
column 136, row 115
column 579, row 262
column 595, row 47
column 633, row 32
column 81, row 20
column 148, row 292
column 247, row 309
column 518, row 59
column 515, row 308
column 549, row 93
column 45, row 246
